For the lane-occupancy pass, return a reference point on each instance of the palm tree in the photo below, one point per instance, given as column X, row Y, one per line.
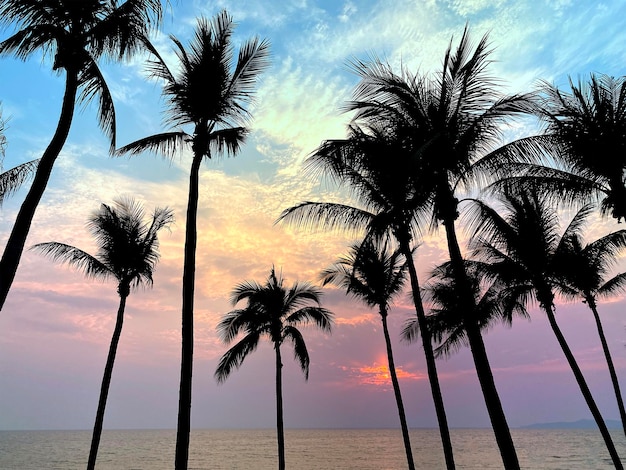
column 522, row 249
column 451, row 123
column 372, row 163
column 77, row 34
column 273, row 311
column 210, row 93
column 127, row 252
column 584, row 270
column 375, row 276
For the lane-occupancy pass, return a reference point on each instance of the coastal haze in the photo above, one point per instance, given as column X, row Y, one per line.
column 56, row 326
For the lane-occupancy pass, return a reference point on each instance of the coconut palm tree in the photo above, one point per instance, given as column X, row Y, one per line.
column 76, row 34
column 452, row 123
column 209, row 93
column 127, row 252
column 373, row 165
column 375, row 276
column 584, row 271
column 522, row 249
column 273, row 311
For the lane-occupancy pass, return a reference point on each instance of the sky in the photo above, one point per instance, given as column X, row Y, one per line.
column 56, row 327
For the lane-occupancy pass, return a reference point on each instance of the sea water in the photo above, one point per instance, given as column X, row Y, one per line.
column 306, row 449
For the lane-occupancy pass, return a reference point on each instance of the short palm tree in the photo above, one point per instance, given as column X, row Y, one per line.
column 584, row 271
column 209, row 93
column 522, row 250
column 127, row 252
column 375, row 276
column 273, row 311
column 77, row 34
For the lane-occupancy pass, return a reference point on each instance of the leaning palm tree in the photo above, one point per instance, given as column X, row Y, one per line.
column 273, row 311
column 584, row 271
column 522, row 250
column 372, row 163
column 210, row 93
column 375, row 276
column 127, row 252
column 76, row 34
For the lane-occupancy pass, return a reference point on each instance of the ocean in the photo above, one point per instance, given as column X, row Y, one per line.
column 306, row 449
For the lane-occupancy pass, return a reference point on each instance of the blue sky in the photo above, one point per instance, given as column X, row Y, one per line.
column 56, row 327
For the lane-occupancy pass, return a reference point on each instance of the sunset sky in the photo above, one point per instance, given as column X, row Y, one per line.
column 56, row 326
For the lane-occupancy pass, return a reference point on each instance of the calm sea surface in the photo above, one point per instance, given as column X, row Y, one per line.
column 323, row 449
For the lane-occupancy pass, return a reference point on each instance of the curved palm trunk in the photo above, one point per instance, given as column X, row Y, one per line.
column 280, row 431
column 396, row 390
column 481, row 361
column 106, row 381
column 584, row 388
column 15, row 244
column 609, row 360
column 431, row 367
column 186, row 363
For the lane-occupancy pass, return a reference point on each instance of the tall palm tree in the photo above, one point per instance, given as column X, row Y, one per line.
column 522, row 249
column 76, row 34
column 127, row 252
column 584, row 271
column 452, row 124
column 209, row 93
column 375, row 276
column 372, row 163
column 273, row 311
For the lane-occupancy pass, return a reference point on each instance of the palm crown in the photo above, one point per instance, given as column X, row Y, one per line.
column 127, row 246
column 77, row 33
column 273, row 311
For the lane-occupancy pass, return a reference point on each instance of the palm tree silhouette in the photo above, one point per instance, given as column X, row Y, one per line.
column 373, row 164
column 522, row 250
column 375, row 276
column 127, row 252
column 584, row 271
column 273, row 311
column 77, row 34
column 210, row 92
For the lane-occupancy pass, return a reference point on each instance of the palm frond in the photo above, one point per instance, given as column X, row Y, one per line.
column 75, row 257
column 300, row 352
column 12, row 179
column 166, row 144
column 234, row 357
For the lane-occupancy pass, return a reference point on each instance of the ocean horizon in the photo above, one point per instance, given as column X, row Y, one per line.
column 312, row 449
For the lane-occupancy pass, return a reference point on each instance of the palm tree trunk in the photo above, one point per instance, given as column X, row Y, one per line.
column 431, row 367
column 280, row 431
column 479, row 356
column 15, row 244
column 584, row 388
column 609, row 361
column 186, row 363
column 106, row 381
column 396, row 390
